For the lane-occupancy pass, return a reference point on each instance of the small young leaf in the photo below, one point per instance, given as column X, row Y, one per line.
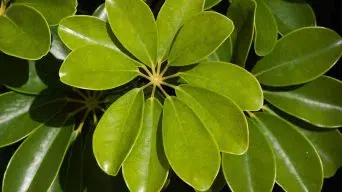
column 189, row 147
column 211, row 3
column 38, row 158
column 133, row 24
column 80, row 31
column 242, row 13
column 291, row 15
column 266, row 32
column 199, row 37
column 318, row 102
column 53, row 11
column 328, row 145
column 310, row 52
column 229, row 80
column 297, row 162
column 105, row 70
column 224, row 119
column 171, row 17
column 242, row 172
column 24, row 33
column 147, row 154
column 117, row 131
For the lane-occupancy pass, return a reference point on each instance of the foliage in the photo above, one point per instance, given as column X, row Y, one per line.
column 132, row 99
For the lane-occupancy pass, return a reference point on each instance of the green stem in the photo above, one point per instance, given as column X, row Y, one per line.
column 250, row 114
column 146, row 70
column 75, row 100
column 2, row 8
column 145, row 86
column 169, row 85
column 172, row 76
column 77, row 111
column 145, row 76
column 94, row 117
column 165, row 69
column 80, row 126
column 163, row 91
column 80, row 93
column 153, row 91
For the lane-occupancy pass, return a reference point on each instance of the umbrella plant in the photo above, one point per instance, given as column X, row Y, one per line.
column 130, row 99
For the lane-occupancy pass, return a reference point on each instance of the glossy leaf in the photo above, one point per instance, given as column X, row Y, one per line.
column 224, row 119
column 328, row 145
column 133, row 24
column 147, row 154
column 117, row 131
column 80, row 31
column 171, row 17
column 211, row 3
column 101, row 12
column 266, row 32
column 291, row 15
column 242, row 172
column 15, row 122
column 297, row 163
column 53, row 11
column 229, row 80
column 242, row 13
column 24, row 33
column 318, row 102
column 223, row 53
column 38, row 158
column 310, row 52
column 189, row 147
column 105, row 70
column 58, row 49
column 195, row 40
column 26, row 78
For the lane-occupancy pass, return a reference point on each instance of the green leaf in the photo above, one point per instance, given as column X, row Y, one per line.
column 24, row 33
column 26, row 78
column 58, row 49
column 101, row 12
column 133, row 24
column 297, row 162
column 291, row 15
column 147, row 154
column 53, row 11
column 38, row 158
column 224, row 119
column 242, row 172
column 242, row 13
column 211, row 3
column 81, row 30
column 189, row 147
column 195, row 40
column 318, row 102
column 223, row 53
column 104, row 70
column 310, row 52
column 328, row 145
column 266, row 32
column 229, row 80
column 117, row 131
column 171, row 17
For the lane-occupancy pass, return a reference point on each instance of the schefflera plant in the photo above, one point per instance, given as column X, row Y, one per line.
column 183, row 124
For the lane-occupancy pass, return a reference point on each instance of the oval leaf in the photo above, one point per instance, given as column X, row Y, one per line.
column 297, row 163
column 105, row 70
column 318, row 102
column 242, row 172
column 229, row 80
column 170, row 18
column 291, row 15
column 38, row 158
column 224, row 119
column 80, row 31
column 310, row 52
column 189, row 147
column 133, row 24
column 24, row 33
column 53, row 11
column 58, row 49
column 266, row 33
column 147, row 154
column 223, row 53
column 328, row 145
column 242, row 13
column 117, row 131
column 101, row 12
column 195, row 40
column 211, row 3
